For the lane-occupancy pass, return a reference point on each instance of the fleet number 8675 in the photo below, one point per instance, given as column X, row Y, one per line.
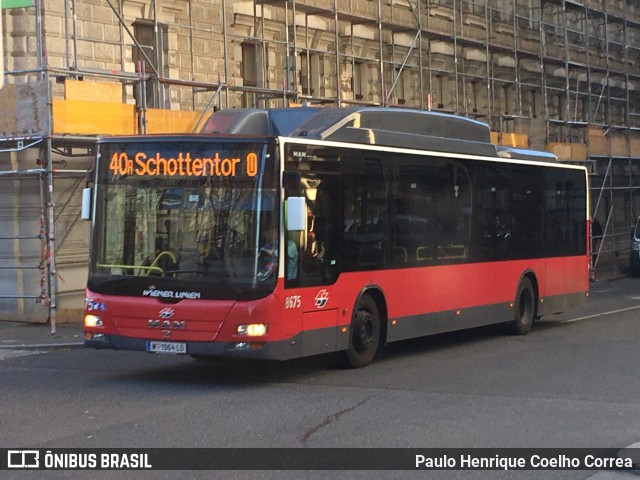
column 294, row 301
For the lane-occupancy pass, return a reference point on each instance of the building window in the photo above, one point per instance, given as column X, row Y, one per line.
column 156, row 54
column 356, row 72
column 359, row 81
column 401, row 83
column 505, row 99
column 439, row 91
column 474, row 97
column 253, row 68
column 249, row 65
column 309, row 73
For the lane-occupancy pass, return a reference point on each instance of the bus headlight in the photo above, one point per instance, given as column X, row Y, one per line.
column 92, row 321
column 253, row 330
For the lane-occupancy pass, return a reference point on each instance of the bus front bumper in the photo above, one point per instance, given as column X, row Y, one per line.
column 275, row 350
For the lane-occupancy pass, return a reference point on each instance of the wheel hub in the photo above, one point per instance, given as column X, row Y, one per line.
column 364, row 332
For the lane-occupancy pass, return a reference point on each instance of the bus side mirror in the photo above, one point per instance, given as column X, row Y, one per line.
column 296, row 214
column 87, row 195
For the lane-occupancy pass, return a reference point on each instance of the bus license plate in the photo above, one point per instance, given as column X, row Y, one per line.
column 166, row 347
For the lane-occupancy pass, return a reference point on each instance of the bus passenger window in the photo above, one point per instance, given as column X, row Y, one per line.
column 365, row 220
column 412, row 218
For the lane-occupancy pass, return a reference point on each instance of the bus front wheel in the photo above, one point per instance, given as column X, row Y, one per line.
column 524, row 308
column 364, row 334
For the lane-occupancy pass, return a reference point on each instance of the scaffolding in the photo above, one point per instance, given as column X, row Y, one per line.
column 556, row 75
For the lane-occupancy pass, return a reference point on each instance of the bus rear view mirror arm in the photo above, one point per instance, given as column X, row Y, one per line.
column 296, row 213
column 87, row 196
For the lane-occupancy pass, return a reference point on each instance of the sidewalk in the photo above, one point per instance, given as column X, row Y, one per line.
column 609, row 272
column 22, row 336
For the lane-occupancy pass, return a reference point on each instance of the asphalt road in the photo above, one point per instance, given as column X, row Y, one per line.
column 572, row 382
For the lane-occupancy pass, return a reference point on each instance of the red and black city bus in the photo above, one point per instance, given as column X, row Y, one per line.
column 276, row 234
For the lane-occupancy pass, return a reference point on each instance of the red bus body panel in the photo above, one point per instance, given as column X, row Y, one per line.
column 312, row 320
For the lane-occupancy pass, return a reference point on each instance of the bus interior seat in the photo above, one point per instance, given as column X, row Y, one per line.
column 423, row 253
column 400, row 255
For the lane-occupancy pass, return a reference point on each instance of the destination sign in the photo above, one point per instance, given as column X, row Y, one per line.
column 182, row 164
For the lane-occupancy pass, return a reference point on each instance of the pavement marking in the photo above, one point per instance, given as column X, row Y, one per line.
column 602, row 314
column 6, row 354
column 45, row 346
column 603, row 290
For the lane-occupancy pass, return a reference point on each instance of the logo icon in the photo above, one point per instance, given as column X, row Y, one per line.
column 322, row 298
column 23, row 459
column 166, row 313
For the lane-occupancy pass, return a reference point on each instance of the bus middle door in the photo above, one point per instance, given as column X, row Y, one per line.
column 319, row 263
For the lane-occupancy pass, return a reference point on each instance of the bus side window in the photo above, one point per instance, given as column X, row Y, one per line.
column 365, row 219
column 492, row 209
column 527, row 201
column 453, row 210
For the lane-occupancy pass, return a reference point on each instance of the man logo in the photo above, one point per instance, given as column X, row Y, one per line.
column 23, row 459
column 166, row 313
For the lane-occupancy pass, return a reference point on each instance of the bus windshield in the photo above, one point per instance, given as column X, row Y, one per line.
column 183, row 218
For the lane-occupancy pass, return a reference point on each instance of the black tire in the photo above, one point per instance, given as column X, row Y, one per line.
column 364, row 334
column 524, row 308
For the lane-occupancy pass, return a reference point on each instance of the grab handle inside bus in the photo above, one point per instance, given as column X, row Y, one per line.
column 296, row 214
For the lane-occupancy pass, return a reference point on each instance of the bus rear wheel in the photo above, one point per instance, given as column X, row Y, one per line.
column 364, row 335
column 524, row 308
